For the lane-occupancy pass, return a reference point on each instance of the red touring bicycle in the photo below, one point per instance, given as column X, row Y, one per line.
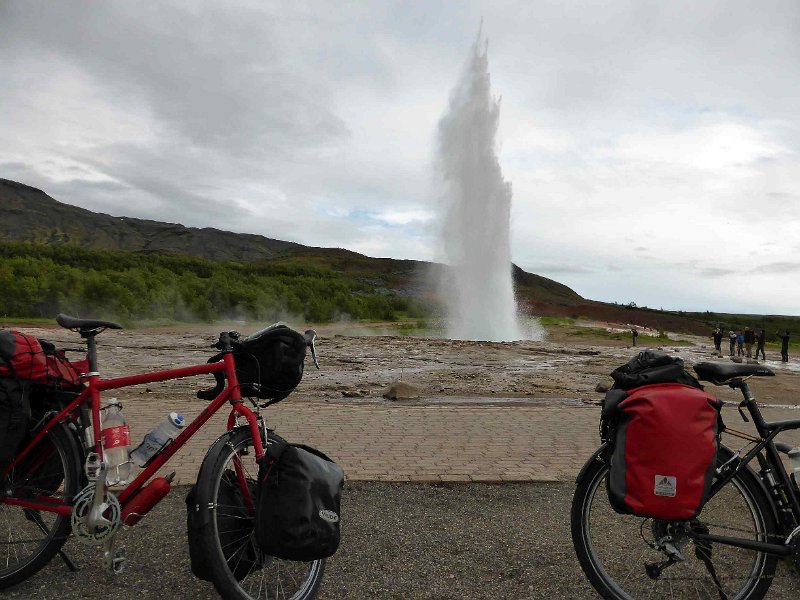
column 57, row 483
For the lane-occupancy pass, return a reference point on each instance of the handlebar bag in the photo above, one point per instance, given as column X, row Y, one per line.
column 665, row 442
column 269, row 364
column 298, row 502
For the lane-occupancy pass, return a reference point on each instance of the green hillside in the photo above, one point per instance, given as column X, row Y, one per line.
column 42, row 280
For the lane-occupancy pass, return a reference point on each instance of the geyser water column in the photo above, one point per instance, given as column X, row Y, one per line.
column 478, row 288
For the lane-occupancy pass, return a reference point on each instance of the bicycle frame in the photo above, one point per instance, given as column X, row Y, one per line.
column 779, row 486
column 91, row 395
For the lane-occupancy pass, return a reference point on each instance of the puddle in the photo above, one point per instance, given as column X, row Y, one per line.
column 468, row 400
column 494, row 400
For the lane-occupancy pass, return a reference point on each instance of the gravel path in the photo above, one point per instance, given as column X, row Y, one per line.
column 411, row 541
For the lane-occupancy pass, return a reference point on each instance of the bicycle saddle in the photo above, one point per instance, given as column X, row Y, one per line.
column 721, row 372
column 84, row 324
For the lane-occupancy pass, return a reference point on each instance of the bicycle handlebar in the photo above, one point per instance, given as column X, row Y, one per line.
column 226, row 343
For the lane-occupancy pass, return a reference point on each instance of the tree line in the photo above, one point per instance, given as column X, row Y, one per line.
column 42, row 280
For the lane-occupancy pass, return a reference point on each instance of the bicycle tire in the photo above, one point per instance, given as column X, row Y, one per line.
column 612, row 549
column 238, row 569
column 32, row 538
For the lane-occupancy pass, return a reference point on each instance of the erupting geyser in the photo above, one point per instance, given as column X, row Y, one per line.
column 478, row 290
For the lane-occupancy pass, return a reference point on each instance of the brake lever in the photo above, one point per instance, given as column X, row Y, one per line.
column 226, row 340
column 310, row 336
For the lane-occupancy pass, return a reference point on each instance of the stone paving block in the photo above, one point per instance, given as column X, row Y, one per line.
column 417, row 443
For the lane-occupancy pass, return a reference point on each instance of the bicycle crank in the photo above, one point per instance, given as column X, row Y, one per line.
column 94, row 519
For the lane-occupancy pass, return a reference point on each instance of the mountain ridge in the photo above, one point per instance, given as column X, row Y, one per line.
column 31, row 215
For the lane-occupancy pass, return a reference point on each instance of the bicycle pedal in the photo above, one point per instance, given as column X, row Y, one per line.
column 116, row 564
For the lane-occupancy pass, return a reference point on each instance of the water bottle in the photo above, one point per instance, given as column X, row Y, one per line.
column 116, row 443
column 154, row 441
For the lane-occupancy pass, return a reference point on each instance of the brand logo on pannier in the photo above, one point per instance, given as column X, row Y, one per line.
column 665, row 486
column 329, row 516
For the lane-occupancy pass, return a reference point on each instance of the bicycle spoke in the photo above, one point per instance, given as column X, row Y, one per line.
column 617, row 557
column 250, row 572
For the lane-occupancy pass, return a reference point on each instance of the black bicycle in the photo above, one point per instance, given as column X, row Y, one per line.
column 730, row 551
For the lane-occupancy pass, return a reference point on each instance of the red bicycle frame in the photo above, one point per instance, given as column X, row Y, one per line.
column 95, row 385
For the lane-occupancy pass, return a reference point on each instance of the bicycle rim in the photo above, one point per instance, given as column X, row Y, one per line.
column 30, row 538
column 254, row 574
column 614, row 548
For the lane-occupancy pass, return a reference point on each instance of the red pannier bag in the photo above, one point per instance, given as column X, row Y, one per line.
column 62, row 372
column 24, row 357
column 21, row 356
column 665, row 449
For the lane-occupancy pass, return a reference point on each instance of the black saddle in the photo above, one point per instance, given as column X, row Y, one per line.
column 85, row 325
column 720, row 373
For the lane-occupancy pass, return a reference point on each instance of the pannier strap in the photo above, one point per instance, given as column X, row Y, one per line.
column 721, row 372
column 277, row 446
column 85, row 324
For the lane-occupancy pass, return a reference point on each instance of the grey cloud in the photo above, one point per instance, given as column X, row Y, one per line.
column 779, row 268
column 213, row 76
column 560, row 269
column 716, row 272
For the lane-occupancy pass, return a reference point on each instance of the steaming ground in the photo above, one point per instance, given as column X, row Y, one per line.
column 360, row 368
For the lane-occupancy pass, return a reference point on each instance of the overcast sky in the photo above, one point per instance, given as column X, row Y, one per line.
column 653, row 147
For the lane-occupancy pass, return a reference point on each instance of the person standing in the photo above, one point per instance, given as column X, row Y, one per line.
column 634, row 335
column 740, row 344
column 749, row 339
column 761, row 340
column 717, row 335
column 732, row 340
column 784, row 345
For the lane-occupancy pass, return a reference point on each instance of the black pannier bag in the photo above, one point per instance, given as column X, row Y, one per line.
column 15, row 413
column 298, row 502
column 234, row 523
column 269, row 364
column 652, row 366
column 21, row 360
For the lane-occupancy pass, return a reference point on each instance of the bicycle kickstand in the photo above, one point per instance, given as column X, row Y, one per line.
column 69, row 562
column 36, row 518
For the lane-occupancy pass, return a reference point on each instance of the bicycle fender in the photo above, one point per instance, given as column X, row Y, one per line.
column 594, row 457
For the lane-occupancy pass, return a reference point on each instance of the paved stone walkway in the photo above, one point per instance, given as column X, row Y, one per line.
column 421, row 443
column 410, row 443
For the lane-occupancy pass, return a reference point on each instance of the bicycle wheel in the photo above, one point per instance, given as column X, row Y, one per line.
column 613, row 549
column 238, row 568
column 30, row 538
